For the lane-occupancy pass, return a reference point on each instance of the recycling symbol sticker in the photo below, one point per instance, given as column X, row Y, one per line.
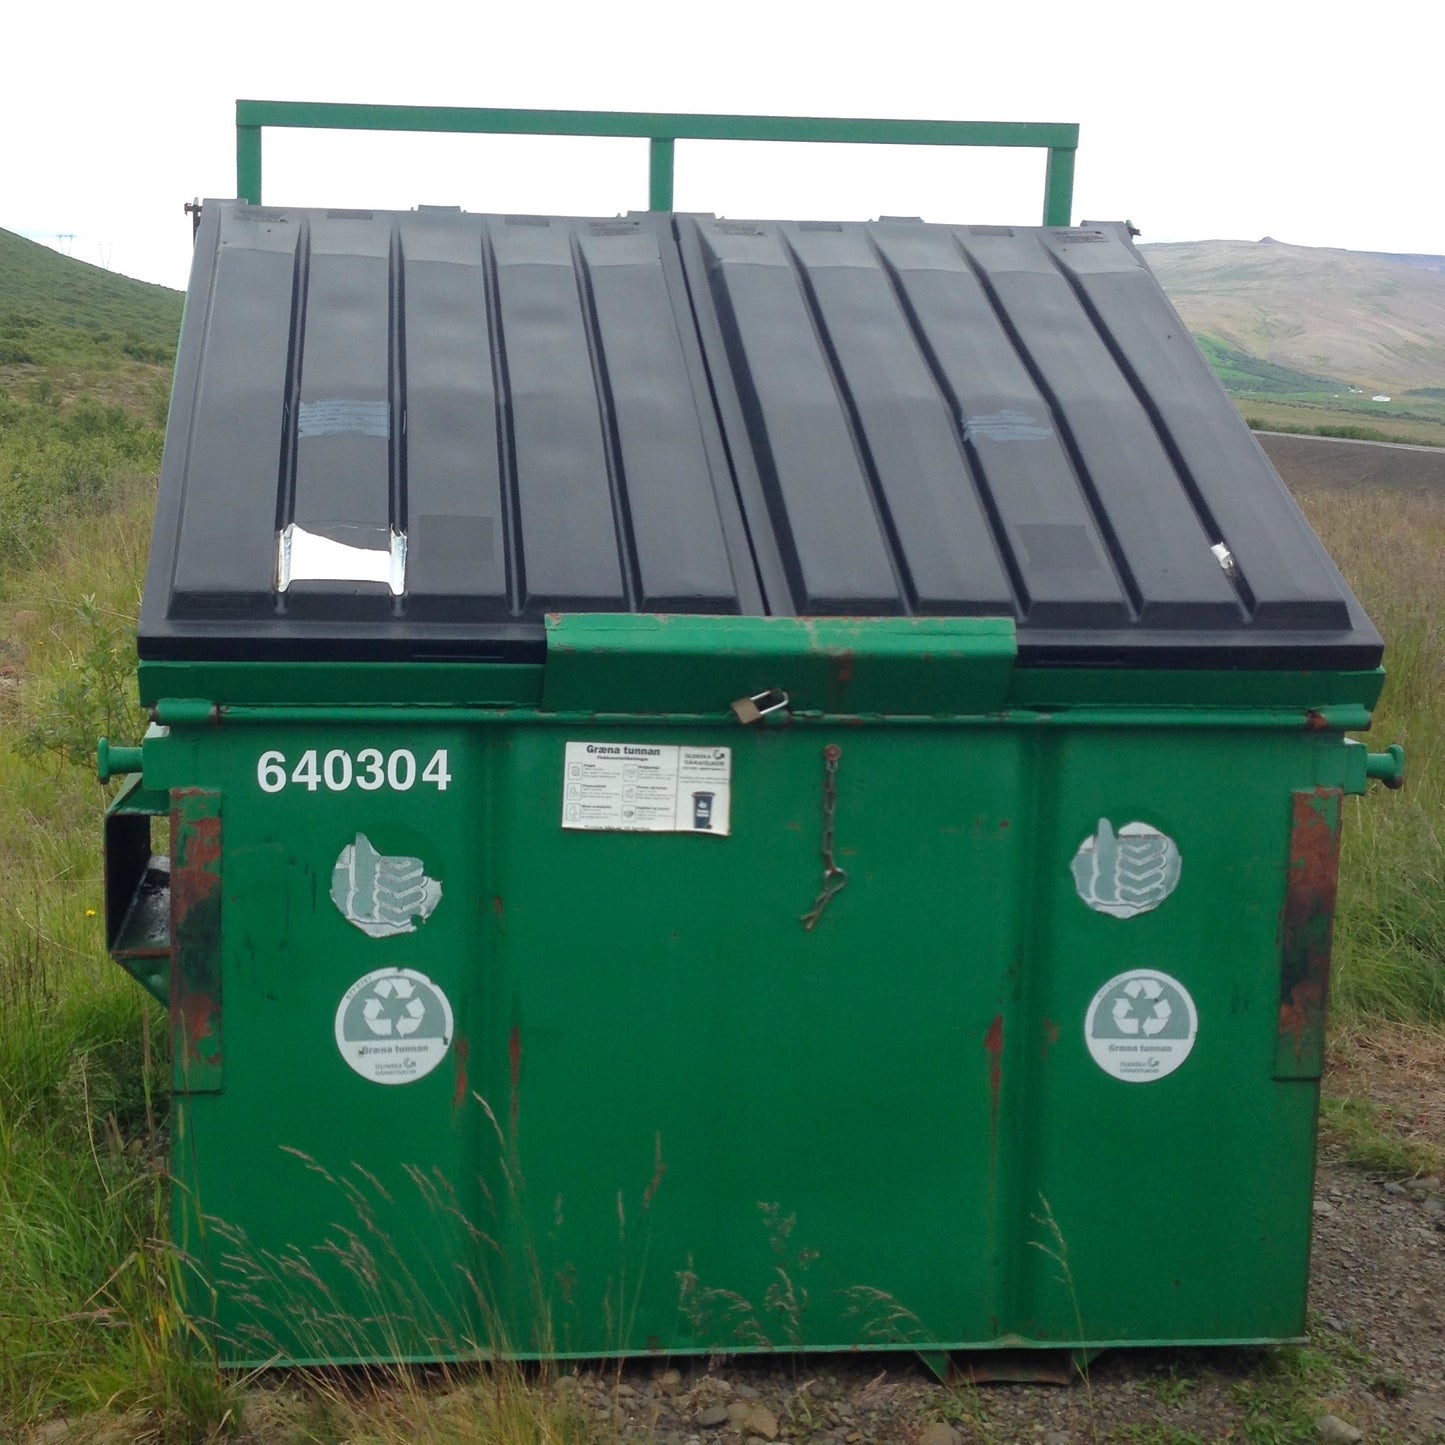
column 1141, row 1026
column 394, row 1026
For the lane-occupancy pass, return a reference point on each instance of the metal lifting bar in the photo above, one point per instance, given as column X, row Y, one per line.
column 662, row 131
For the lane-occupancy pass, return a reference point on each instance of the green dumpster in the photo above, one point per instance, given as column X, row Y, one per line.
column 732, row 786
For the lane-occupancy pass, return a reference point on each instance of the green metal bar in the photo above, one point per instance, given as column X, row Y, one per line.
column 1344, row 718
column 185, row 710
column 112, row 761
column 653, row 125
column 1059, row 185
column 1060, row 140
column 248, row 161
column 659, row 187
column 1388, row 766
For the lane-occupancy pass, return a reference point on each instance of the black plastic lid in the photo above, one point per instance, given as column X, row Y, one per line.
column 412, row 434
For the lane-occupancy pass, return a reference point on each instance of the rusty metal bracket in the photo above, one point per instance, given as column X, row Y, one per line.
column 196, row 941
column 1306, row 933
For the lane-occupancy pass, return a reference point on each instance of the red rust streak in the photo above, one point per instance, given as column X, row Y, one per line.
column 459, row 1094
column 1307, row 918
column 1051, row 1036
column 514, row 1056
column 658, row 1170
column 1306, row 1001
column 197, row 1012
column 993, row 1042
column 194, row 877
column 203, row 847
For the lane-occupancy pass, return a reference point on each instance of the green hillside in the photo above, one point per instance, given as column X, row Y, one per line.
column 1246, row 374
column 1308, row 338
column 55, row 310
column 85, row 369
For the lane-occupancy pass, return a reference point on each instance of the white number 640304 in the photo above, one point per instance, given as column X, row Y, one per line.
column 337, row 770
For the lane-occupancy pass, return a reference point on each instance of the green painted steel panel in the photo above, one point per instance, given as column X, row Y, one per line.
column 668, row 1117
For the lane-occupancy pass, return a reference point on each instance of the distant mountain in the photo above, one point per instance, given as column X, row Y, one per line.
column 1376, row 322
column 54, row 307
column 1428, row 263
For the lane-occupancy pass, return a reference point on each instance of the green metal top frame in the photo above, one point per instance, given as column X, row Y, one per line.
column 662, row 131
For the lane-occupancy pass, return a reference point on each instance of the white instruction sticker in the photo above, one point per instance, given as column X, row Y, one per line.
column 646, row 788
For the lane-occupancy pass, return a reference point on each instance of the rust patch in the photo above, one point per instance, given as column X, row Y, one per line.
column 497, row 905
column 1306, row 933
column 1296, row 1014
column 198, row 852
column 843, row 673
column 460, row 1048
column 993, row 1042
column 658, row 1170
column 195, row 941
column 204, row 847
column 199, row 1015
column 514, row 1059
column 1051, row 1037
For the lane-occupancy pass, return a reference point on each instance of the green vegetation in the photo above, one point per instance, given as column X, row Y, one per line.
column 1359, row 420
column 1246, row 375
column 82, row 401
column 61, row 458
column 1347, row 433
column 1279, row 398
column 1390, row 932
column 55, row 311
column 1366, row 1132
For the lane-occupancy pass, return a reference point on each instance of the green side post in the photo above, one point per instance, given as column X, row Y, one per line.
column 248, row 163
column 1059, row 186
column 659, row 187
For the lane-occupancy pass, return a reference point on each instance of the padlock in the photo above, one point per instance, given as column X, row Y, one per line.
column 749, row 709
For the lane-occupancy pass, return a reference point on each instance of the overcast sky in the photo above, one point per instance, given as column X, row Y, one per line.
column 1314, row 123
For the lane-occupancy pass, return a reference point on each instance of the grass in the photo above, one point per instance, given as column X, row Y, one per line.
column 56, row 311
column 65, row 456
column 1390, row 928
column 83, row 1297
column 1248, row 374
column 1357, row 420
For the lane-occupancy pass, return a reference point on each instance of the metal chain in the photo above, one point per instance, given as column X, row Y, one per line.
column 835, row 879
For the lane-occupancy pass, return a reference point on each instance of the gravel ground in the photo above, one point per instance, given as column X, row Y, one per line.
column 1374, row 1366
